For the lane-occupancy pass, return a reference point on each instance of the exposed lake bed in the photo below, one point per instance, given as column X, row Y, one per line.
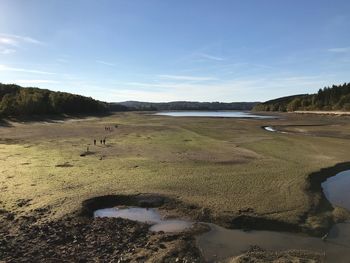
column 178, row 157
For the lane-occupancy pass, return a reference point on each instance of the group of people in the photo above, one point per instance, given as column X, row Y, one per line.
column 108, row 128
column 101, row 141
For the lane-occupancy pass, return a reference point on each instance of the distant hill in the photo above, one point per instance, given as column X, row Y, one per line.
column 18, row 101
column 184, row 105
column 336, row 97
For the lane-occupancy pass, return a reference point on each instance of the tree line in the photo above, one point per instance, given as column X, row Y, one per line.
column 184, row 105
column 336, row 97
column 18, row 101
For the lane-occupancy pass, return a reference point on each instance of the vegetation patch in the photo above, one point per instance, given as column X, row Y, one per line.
column 328, row 98
column 19, row 101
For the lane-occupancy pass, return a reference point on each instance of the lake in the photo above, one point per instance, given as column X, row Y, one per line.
column 217, row 114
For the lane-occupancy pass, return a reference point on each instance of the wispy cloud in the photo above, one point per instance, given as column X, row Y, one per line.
column 34, row 81
column 15, row 40
column 105, row 63
column 210, row 57
column 186, row 78
column 340, row 49
column 9, row 43
column 7, row 68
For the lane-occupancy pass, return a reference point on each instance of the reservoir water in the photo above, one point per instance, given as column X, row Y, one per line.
column 217, row 114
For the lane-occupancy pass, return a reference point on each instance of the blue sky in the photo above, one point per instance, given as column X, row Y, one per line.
column 166, row 50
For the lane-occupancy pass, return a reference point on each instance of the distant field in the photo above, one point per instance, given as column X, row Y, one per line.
column 225, row 165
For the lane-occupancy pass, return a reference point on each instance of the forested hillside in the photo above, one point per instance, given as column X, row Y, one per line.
column 336, row 97
column 186, row 105
column 19, row 101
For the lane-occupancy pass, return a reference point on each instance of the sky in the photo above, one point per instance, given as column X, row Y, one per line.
column 170, row 50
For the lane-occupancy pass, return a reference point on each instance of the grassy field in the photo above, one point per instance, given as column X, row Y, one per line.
column 225, row 165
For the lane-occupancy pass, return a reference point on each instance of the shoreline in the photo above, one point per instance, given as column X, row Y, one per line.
column 336, row 113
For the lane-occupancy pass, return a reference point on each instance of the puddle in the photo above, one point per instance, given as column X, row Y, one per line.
column 336, row 189
column 145, row 215
column 221, row 243
column 137, row 214
column 269, row 128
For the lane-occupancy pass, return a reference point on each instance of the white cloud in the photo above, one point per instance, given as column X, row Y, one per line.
column 340, row 50
column 186, row 78
column 8, row 41
column 7, row 68
column 105, row 63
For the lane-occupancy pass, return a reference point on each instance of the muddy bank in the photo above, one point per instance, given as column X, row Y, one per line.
column 317, row 221
column 84, row 239
column 322, row 214
column 106, row 201
column 257, row 254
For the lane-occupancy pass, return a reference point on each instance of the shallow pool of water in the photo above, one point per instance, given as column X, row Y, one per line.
column 337, row 189
column 218, row 114
column 146, row 215
column 269, row 128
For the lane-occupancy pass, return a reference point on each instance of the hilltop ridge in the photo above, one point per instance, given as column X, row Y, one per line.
column 336, row 97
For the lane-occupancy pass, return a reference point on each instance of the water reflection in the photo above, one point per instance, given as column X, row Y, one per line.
column 337, row 189
column 145, row 215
